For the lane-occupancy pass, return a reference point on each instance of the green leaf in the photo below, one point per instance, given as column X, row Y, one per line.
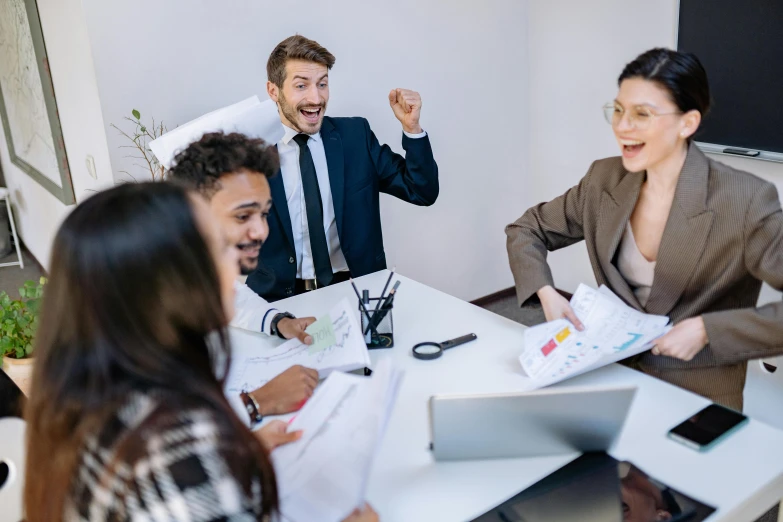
column 23, row 292
column 143, row 128
column 136, row 114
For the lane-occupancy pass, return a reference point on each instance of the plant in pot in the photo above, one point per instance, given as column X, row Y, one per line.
column 18, row 324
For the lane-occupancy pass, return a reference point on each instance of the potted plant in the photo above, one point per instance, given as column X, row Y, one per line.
column 18, row 323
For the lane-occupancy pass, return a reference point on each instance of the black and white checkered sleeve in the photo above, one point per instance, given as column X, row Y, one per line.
column 183, row 474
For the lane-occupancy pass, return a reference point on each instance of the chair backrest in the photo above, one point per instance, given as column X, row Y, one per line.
column 12, row 463
column 764, row 383
column 764, row 391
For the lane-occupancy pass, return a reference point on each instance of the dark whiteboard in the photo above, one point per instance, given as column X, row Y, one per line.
column 740, row 43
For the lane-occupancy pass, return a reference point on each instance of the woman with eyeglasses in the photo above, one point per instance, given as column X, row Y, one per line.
column 126, row 419
column 670, row 231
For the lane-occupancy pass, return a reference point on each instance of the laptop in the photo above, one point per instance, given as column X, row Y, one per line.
column 546, row 422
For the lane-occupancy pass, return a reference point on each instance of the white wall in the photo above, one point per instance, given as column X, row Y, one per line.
column 177, row 59
column 38, row 213
column 577, row 51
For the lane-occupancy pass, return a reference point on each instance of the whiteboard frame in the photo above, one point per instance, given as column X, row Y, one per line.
column 716, row 148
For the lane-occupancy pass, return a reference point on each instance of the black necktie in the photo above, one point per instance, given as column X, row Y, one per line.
column 315, row 213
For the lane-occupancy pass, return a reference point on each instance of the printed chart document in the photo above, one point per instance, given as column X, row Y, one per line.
column 251, row 116
column 338, row 345
column 556, row 350
column 323, row 476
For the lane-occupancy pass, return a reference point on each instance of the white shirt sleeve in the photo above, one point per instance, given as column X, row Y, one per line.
column 251, row 311
column 415, row 136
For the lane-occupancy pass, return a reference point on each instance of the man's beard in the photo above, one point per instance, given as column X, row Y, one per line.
column 292, row 114
column 247, row 269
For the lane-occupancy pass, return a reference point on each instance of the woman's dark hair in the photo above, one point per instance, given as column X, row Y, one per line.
column 681, row 74
column 132, row 305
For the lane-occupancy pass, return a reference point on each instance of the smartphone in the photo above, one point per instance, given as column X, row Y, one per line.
column 708, row 427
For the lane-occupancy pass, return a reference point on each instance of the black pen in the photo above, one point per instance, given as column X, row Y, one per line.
column 386, row 304
column 380, row 299
column 361, row 304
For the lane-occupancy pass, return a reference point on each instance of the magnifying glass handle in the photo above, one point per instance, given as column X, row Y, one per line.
column 458, row 341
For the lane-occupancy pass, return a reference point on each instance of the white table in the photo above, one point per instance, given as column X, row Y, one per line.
column 742, row 477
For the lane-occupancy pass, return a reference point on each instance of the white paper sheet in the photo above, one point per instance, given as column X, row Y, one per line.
column 556, row 351
column 253, row 366
column 251, row 116
column 323, row 476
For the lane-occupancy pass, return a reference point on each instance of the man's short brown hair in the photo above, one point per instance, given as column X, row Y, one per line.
column 295, row 47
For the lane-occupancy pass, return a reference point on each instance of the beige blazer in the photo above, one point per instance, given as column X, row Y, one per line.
column 723, row 237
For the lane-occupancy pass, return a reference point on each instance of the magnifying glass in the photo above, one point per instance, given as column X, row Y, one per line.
column 428, row 351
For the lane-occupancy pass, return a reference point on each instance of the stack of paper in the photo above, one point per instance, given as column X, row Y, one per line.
column 323, row 476
column 556, row 350
column 338, row 345
column 251, row 117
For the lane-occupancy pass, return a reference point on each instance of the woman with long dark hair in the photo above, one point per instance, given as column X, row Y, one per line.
column 670, row 231
column 127, row 419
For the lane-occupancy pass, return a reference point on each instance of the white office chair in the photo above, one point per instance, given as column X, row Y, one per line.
column 764, row 391
column 12, row 462
column 764, row 384
column 5, row 195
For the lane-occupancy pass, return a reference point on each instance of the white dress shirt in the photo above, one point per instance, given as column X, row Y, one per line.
column 294, row 195
column 288, row 150
column 251, row 311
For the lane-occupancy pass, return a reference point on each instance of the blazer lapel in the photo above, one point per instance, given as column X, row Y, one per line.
column 684, row 236
column 616, row 208
column 280, row 206
column 335, row 163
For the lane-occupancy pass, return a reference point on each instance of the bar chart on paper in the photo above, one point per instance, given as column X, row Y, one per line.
column 556, row 350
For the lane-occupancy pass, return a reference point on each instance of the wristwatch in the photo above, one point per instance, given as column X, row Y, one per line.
column 276, row 319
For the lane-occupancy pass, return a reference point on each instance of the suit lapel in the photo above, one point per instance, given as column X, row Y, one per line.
column 684, row 236
column 280, row 206
column 616, row 208
column 335, row 163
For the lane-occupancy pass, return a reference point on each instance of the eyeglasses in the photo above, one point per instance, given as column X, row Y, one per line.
column 639, row 117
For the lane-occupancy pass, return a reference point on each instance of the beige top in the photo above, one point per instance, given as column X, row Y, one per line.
column 634, row 267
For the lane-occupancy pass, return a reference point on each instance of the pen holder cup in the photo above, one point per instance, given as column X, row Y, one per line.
column 385, row 327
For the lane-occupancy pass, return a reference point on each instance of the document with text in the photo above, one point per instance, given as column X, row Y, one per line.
column 556, row 350
column 323, row 476
column 338, row 345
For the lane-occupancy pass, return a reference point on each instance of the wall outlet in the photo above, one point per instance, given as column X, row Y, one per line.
column 90, row 162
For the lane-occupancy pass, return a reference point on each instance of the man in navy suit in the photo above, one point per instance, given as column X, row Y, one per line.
column 325, row 225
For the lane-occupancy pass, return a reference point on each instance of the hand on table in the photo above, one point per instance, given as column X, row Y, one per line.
column 366, row 514
column 683, row 341
column 407, row 108
column 275, row 434
column 557, row 307
column 295, row 328
column 287, row 392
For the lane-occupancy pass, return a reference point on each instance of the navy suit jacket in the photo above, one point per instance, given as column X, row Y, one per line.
column 360, row 169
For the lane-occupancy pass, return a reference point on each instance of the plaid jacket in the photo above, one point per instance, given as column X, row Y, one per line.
column 175, row 466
